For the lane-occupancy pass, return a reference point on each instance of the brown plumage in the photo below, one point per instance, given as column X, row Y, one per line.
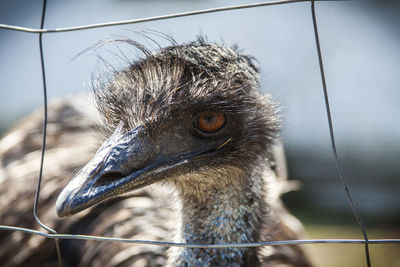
column 225, row 182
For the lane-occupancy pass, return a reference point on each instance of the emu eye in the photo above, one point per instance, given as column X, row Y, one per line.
column 210, row 121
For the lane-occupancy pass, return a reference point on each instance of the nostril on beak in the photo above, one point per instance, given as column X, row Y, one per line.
column 108, row 178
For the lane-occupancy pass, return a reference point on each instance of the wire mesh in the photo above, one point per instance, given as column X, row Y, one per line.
column 52, row 234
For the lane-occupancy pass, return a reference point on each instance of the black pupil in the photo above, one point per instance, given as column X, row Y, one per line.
column 210, row 119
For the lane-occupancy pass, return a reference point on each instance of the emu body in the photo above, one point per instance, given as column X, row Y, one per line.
column 191, row 118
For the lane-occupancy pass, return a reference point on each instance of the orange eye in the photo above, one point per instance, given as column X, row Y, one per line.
column 210, row 121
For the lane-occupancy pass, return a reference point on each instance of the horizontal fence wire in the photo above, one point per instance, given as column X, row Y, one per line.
column 53, row 235
column 189, row 245
column 155, row 18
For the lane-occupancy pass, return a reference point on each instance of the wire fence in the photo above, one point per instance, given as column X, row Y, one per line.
column 52, row 234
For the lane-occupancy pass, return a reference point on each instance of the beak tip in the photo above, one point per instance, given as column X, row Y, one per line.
column 62, row 207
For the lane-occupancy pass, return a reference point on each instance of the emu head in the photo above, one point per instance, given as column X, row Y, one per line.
column 184, row 110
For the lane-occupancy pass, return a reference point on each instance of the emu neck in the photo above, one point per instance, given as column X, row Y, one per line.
column 220, row 208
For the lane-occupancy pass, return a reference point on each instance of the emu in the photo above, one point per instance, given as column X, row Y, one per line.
column 186, row 125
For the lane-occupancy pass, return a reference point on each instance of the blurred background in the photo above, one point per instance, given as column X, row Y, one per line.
column 361, row 50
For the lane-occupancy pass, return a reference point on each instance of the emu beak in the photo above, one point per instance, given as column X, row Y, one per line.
column 124, row 162
column 107, row 172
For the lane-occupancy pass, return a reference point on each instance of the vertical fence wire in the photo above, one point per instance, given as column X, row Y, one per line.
column 43, row 149
column 332, row 136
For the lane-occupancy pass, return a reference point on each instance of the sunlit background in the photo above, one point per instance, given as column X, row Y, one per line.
column 361, row 50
